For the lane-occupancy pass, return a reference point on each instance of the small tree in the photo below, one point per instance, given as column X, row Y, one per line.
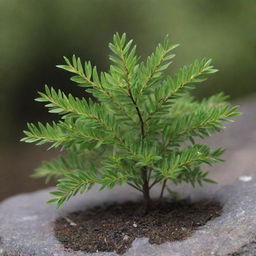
column 135, row 124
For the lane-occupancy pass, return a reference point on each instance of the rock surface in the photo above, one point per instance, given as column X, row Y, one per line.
column 26, row 225
column 239, row 139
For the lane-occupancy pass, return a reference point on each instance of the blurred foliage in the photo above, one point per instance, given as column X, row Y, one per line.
column 36, row 34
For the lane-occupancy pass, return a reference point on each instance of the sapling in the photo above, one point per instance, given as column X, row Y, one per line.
column 139, row 127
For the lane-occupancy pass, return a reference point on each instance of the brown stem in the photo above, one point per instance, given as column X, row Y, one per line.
column 153, row 184
column 162, row 191
column 149, row 175
column 139, row 114
column 132, row 98
column 146, row 189
column 144, row 171
column 137, row 188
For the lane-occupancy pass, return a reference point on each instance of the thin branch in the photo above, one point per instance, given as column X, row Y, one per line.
column 149, row 174
column 137, row 188
column 152, row 73
column 162, row 191
column 166, row 98
column 153, row 184
column 139, row 114
column 131, row 96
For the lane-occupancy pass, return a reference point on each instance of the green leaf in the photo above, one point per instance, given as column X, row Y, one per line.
column 210, row 181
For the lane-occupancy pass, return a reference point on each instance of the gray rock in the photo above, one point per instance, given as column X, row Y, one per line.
column 239, row 139
column 26, row 225
column 246, row 250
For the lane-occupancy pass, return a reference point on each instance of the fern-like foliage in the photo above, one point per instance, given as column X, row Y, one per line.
column 136, row 128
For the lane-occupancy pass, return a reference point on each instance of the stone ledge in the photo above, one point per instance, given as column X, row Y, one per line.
column 26, row 225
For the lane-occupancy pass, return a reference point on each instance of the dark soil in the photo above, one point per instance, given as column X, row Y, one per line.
column 114, row 227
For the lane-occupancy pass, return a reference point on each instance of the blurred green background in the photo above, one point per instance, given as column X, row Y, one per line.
column 34, row 35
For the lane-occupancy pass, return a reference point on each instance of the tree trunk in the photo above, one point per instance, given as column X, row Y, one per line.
column 146, row 189
column 147, row 199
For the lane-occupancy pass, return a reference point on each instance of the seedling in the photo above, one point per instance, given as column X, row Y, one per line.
column 140, row 124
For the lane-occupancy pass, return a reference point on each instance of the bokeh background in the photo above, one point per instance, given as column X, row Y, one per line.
column 34, row 35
